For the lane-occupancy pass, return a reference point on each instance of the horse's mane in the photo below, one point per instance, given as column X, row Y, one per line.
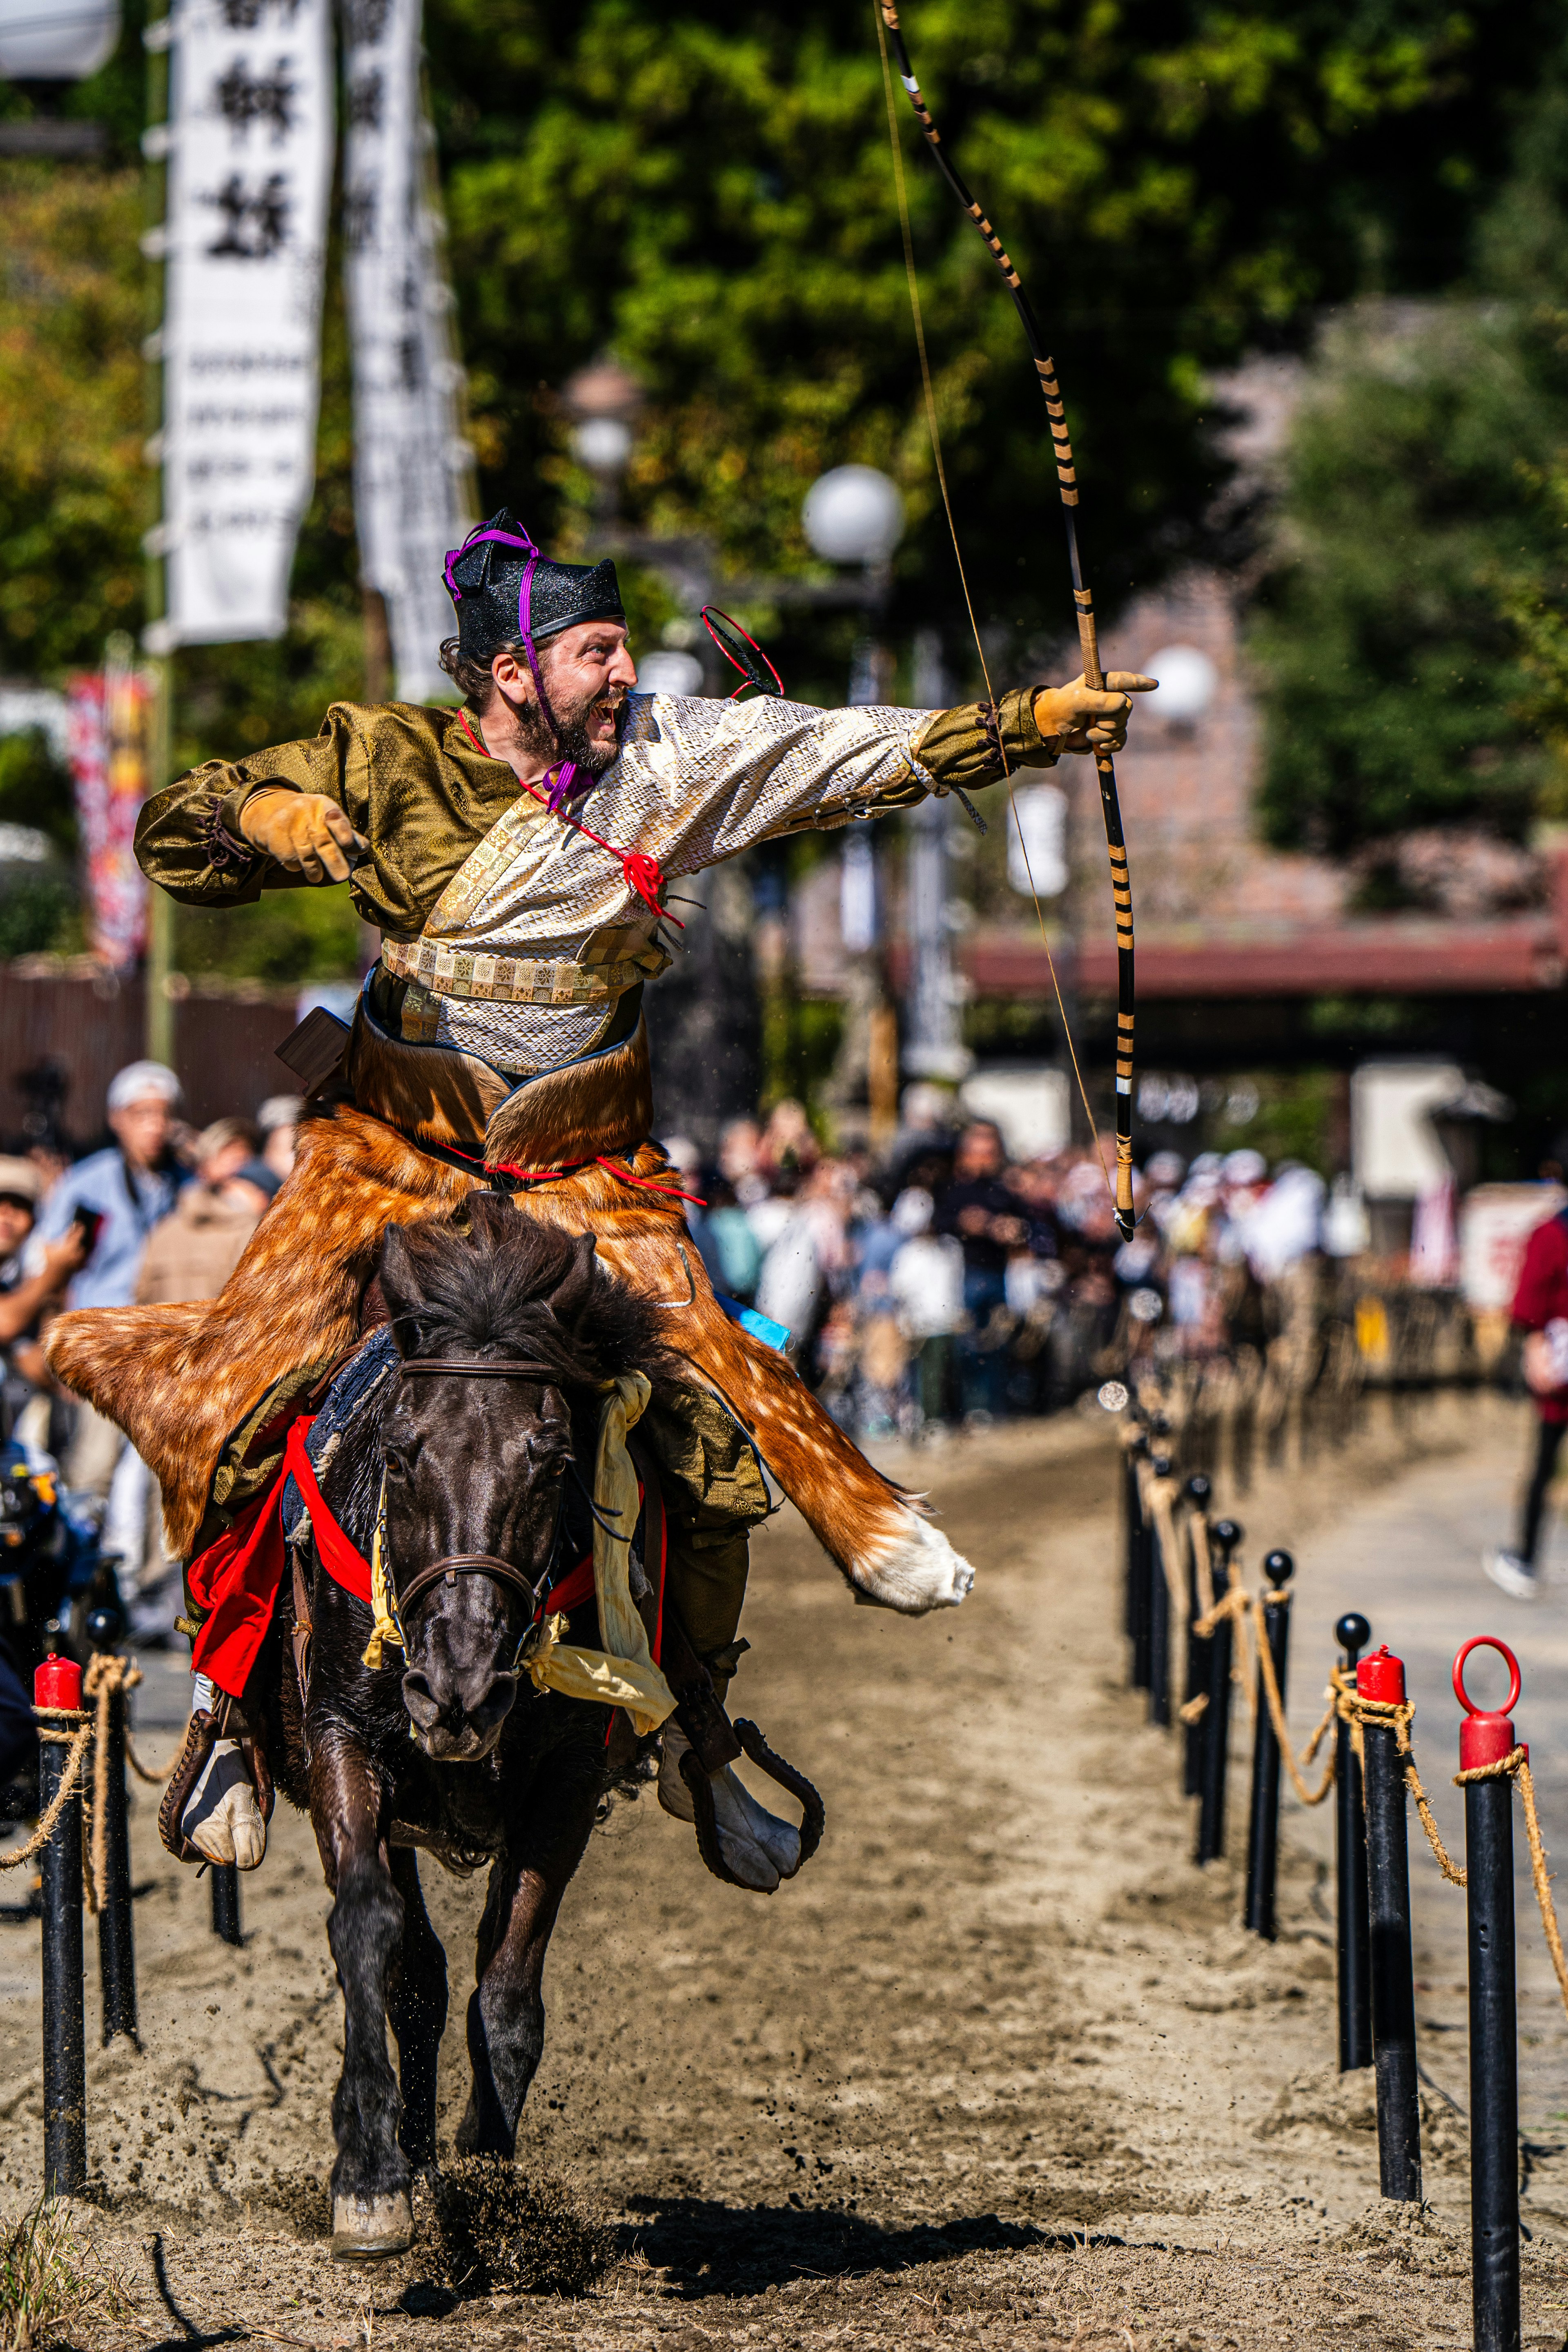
column 507, row 1288
column 515, row 1288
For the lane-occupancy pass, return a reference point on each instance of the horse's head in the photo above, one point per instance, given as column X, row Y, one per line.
column 474, row 1459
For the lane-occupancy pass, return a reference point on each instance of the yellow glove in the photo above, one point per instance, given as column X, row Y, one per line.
column 303, row 832
column 1082, row 720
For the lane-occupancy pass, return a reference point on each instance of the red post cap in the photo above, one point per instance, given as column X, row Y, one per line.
column 1382, row 1677
column 57, row 1683
column 1486, row 1737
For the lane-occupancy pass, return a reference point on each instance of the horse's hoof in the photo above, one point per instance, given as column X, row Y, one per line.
column 367, row 2226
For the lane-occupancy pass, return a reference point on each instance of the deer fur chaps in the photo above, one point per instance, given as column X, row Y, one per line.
column 180, row 1380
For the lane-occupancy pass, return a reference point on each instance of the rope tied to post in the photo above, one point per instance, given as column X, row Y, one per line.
column 1401, row 1714
column 76, row 1741
column 1515, row 1766
column 1340, row 1687
column 107, row 1673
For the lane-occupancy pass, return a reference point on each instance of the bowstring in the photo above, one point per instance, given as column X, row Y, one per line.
column 933, row 428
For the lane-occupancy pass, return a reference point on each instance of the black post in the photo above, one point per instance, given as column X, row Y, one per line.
column 1197, row 1676
column 1159, row 1614
column 116, row 1949
column 225, row 1902
column 1263, row 1829
column 1215, row 1716
column 1138, row 1543
column 1353, row 1928
column 57, row 1684
column 1392, row 1981
column 1487, row 1738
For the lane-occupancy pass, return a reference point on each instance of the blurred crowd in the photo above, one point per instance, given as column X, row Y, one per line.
column 947, row 1285
column 942, row 1285
column 162, row 1211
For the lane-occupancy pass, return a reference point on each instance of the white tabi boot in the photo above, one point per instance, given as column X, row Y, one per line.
column 222, row 1818
column 758, row 1847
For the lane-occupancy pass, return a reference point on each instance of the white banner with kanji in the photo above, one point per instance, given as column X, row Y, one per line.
column 411, row 466
column 249, row 146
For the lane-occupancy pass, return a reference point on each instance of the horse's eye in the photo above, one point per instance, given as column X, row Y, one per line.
column 396, row 1467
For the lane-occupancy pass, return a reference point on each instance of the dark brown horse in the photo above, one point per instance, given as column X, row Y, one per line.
column 481, row 1486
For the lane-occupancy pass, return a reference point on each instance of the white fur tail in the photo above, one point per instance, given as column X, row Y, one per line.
column 913, row 1571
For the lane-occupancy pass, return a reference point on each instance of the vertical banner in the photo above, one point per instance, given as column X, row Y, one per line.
column 250, row 148
column 109, row 711
column 412, row 497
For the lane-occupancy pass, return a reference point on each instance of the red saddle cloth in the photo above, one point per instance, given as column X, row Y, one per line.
column 234, row 1581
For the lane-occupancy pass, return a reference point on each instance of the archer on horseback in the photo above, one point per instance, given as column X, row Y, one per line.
column 514, row 856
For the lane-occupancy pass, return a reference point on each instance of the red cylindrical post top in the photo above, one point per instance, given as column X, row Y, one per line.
column 1486, row 1737
column 57, row 1683
column 1382, row 1677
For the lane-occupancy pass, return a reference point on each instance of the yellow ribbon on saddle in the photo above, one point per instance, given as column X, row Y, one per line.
column 623, row 1672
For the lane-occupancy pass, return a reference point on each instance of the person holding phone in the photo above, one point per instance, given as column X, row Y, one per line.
column 25, row 1297
column 112, row 1200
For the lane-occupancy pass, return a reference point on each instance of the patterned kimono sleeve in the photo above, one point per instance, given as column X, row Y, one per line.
column 726, row 775
column 188, row 839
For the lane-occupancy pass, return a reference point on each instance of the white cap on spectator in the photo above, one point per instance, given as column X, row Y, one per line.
column 143, row 1082
column 912, row 1211
column 1245, row 1167
column 19, row 1180
column 280, row 1110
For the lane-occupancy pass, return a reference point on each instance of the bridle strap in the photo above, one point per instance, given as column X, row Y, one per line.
column 477, row 1563
column 467, row 1563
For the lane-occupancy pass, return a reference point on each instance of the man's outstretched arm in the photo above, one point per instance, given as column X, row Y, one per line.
column 287, row 816
column 729, row 775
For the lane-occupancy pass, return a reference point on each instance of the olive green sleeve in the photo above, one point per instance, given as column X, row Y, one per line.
column 188, row 839
column 975, row 744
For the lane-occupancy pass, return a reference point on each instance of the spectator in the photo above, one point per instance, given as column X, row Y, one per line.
column 739, row 1147
column 279, row 1120
column 196, row 1248
column 24, row 1298
column 787, row 1146
column 129, row 1187
column 983, row 1215
column 1541, row 1312
column 926, row 1279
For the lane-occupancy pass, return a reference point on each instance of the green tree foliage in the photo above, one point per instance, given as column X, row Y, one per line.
column 709, row 191
column 1411, row 634
column 712, row 195
column 1395, row 686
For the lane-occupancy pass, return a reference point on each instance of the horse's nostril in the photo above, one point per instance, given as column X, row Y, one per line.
column 420, row 1700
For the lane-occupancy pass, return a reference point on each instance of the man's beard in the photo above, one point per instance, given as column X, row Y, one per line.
column 571, row 741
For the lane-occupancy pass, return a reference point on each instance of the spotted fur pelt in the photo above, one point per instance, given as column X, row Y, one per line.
column 180, row 1379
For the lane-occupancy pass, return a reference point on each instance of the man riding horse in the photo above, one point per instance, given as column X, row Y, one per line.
column 514, row 856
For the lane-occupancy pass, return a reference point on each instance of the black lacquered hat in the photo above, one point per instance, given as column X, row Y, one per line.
column 504, row 589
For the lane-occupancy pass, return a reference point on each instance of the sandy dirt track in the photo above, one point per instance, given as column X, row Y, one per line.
column 1000, row 2067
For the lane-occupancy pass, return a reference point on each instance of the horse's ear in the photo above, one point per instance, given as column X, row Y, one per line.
column 400, row 1287
column 570, row 1299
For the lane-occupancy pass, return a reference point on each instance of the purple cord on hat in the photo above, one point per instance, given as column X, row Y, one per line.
column 562, row 782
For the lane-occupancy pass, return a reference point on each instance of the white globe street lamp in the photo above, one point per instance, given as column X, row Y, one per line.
column 854, row 515
column 1188, row 683
column 39, row 44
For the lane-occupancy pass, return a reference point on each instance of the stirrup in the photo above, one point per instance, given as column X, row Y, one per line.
column 706, row 1820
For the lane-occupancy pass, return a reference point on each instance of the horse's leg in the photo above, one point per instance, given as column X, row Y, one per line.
column 371, row 2214
column 417, row 2005
column 506, row 2010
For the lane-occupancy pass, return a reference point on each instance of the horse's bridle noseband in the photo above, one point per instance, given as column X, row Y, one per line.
column 475, row 1563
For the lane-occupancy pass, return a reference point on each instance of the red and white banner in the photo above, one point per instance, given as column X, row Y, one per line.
column 109, row 715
